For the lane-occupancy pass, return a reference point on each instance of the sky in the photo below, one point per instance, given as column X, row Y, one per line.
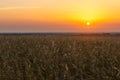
column 59, row 15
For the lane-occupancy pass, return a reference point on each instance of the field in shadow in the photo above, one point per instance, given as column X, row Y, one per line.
column 60, row 57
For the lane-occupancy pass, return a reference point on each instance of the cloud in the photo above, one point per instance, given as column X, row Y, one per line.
column 19, row 7
column 1, row 6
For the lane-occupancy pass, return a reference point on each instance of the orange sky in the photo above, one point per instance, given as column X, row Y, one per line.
column 59, row 15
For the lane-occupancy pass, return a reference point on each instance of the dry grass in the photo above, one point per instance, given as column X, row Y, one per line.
column 52, row 57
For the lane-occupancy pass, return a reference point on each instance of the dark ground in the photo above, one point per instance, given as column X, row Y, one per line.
column 60, row 56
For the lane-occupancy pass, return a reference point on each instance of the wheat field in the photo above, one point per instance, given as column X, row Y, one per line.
column 60, row 57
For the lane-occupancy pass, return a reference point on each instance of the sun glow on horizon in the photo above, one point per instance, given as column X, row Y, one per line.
column 62, row 15
column 88, row 23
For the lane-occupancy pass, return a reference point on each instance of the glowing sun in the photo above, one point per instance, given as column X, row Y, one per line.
column 88, row 23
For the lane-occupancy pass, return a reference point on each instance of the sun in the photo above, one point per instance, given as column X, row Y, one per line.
column 88, row 23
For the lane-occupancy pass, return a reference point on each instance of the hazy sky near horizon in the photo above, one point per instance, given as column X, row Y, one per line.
column 59, row 15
